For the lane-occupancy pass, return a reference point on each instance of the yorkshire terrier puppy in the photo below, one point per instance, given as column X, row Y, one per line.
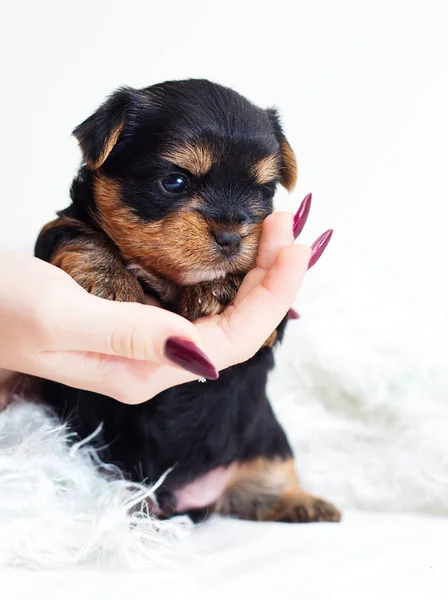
column 175, row 184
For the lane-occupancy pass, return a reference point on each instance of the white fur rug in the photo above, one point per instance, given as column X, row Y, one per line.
column 361, row 387
column 57, row 510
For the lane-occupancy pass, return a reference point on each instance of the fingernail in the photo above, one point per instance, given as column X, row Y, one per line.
column 188, row 356
column 293, row 314
column 301, row 216
column 319, row 246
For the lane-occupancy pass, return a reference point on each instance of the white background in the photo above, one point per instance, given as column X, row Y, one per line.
column 363, row 91
column 362, row 87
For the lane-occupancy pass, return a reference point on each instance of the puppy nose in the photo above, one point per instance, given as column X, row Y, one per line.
column 228, row 242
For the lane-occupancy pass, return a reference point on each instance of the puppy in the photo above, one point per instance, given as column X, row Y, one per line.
column 176, row 181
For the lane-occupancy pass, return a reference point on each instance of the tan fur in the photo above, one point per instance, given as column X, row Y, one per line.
column 64, row 222
column 178, row 247
column 94, row 264
column 271, row 340
column 109, row 144
column 267, row 169
column 269, row 490
column 289, row 171
column 194, row 157
column 209, row 297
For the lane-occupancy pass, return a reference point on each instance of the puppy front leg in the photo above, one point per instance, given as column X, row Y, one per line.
column 208, row 297
column 89, row 258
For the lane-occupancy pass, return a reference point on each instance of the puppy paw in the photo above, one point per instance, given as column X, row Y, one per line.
column 305, row 508
column 122, row 288
column 208, row 298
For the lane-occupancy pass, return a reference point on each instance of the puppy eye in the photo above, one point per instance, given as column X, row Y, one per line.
column 175, row 183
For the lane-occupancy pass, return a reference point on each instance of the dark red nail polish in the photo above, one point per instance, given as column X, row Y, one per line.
column 188, row 356
column 319, row 246
column 301, row 216
column 293, row 314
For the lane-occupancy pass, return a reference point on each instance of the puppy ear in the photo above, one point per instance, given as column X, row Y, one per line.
column 288, row 174
column 98, row 134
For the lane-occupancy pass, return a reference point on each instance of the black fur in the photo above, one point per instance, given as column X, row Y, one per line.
column 167, row 115
column 197, row 426
column 194, row 427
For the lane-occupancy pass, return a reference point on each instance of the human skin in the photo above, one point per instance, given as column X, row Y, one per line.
column 52, row 328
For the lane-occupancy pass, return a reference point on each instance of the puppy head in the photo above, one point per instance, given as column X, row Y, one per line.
column 184, row 174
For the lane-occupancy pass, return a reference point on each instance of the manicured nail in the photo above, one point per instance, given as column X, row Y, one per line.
column 319, row 246
column 301, row 216
column 188, row 356
column 293, row 314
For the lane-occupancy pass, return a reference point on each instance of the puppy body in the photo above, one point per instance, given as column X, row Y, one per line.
column 177, row 181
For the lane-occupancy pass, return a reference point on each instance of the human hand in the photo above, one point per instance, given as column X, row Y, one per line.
column 53, row 328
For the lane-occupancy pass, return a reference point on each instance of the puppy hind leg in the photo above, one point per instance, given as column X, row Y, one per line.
column 269, row 490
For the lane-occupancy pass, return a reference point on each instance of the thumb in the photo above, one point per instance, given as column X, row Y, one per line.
column 135, row 331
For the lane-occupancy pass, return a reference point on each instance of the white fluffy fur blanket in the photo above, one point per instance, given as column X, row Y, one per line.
column 58, row 510
column 363, row 398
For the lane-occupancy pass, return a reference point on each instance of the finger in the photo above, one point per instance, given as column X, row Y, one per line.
column 238, row 333
column 124, row 379
column 276, row 234
column 245, row 326
column 229, row 338
column 134, row 331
